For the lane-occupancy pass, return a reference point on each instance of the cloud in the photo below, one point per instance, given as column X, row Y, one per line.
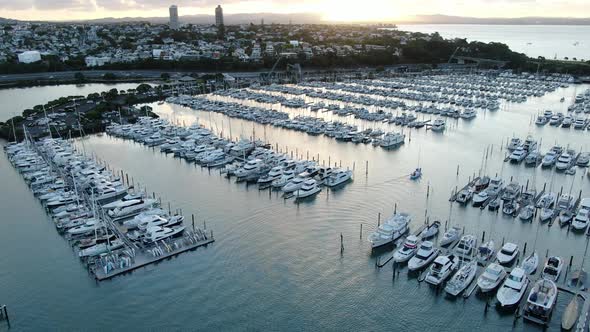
column 157, row 4
column 46, row 5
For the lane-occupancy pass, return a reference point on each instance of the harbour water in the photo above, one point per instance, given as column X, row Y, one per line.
column 557, row 40
column 16, row 100
column 277, row 265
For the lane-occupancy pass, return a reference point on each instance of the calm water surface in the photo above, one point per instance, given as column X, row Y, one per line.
column 16, row 100
column 549, row 41
column 276, row 265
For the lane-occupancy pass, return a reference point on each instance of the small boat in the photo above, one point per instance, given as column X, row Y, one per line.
column 571, row 171
column 507, row 254
column 450, row 236
column 510, row 207
column 529, row 264
column 482, row 183
column 408, row 250
column 546, row 214
column 578, row 279
column 416, row 174
column 513, row 288
column 430, row 230
column 441, row 269
column 464, row 196
column 495, row 204
column 570, row 315
column 426, row 253
column 540, row 302
column 552, row 269
column 527, row 213
column 462, row 279
column 491, row 277
column 480, row 198
column 486, row 251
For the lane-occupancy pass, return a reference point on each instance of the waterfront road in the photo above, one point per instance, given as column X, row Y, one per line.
column 133, row 74
column 69, row 75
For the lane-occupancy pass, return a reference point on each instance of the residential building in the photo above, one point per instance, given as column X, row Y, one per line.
column 29, row 57
column 218, row 16
column 174, row 25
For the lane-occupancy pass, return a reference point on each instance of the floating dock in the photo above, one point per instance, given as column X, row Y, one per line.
column 164, row 250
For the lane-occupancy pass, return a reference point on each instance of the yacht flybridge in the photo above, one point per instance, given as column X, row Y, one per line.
column 390, row 230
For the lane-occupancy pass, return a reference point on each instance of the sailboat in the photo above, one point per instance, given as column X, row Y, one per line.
column 572, row 311
column 463, row 278
column 417, row 173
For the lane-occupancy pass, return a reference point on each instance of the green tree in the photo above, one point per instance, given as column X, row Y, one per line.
column 143, row 88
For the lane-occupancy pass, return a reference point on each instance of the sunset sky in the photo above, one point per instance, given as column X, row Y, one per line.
column 330, row 10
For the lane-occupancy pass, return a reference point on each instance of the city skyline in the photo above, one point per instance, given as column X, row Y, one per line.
column 328, row 10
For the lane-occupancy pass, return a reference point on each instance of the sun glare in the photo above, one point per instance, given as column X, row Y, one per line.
column 353, row 10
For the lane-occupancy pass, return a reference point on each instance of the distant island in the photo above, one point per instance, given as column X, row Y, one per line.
column 312, row 18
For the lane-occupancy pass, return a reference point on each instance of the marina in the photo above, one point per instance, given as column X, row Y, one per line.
column 74, row 189
column 263, row 231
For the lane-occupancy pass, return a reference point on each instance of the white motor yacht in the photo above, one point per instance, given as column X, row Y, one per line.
column 408, row 250
column 507, row 254
column 87, row 227
column 251, row 167
column 441, row 269
column 285, row 178
column 309, row 188
column 130, row 208
column 293, row 185
column 338, row 177
column 480, row 198
column 518, row 155
column 390, row 230
column 491, row 277
column 563, row 162
column 580, row 222
column 514, row 143
column 468, row 114
column 583, row 159
column 466, row 245
column 274, row 174
column 513, row 288
column 438, row 125
column 155, row 234
column 550, row 158
column 426, row 253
